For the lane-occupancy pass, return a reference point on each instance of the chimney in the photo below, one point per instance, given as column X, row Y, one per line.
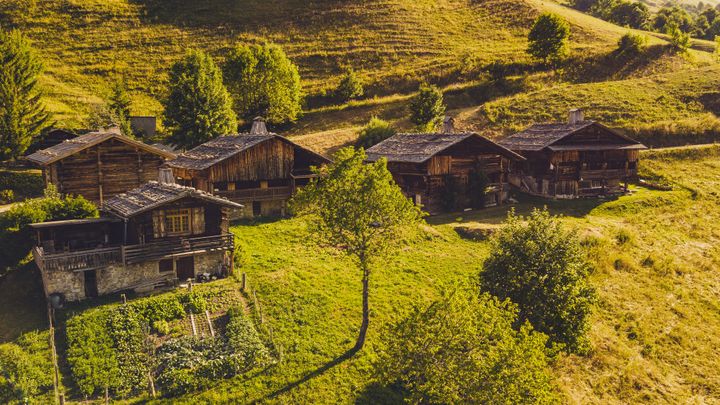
column 448, row 125
column 165, row 176
column 576, row 116
column 258, row 127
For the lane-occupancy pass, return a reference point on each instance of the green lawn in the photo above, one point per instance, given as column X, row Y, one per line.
column 658, row 295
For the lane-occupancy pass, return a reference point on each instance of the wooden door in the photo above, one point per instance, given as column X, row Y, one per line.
column 91, row 289
column 185, row 267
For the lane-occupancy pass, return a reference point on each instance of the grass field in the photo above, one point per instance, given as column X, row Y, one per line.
column 393, row 44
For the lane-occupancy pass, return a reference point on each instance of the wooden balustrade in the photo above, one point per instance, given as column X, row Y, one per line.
column 92, row 259
column 257, row 194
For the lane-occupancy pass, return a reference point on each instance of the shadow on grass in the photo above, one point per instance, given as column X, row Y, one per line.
column 22, row 303
column 315, row 373
column 496, row 215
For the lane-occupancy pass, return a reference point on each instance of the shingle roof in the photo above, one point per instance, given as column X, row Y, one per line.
column 540, row 136
column 75, row 145
column 153, row 194
column 418, row 148
column 224, row 147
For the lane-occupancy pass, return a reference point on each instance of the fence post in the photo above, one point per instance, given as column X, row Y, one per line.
column 244, row 281
column 192, row 323
column 209, row 321
column 124, row 298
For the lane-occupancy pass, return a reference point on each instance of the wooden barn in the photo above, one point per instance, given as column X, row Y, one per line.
column 447, row 171
column 575, row 159
column 152, row 236
column 260, row 170
column 99, row 165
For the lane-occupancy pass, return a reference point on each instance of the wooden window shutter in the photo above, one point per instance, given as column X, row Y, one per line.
column 198, row 220
column 158, row 223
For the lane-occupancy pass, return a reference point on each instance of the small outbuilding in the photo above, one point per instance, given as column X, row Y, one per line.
column 259, row 169
column 151, row 236
column 99, row 165
column 448, row 171
column 579, row 158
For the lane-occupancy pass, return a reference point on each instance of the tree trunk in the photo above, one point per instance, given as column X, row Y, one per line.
column 366, row 306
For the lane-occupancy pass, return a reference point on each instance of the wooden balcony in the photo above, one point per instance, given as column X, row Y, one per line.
column 605, row 174
column 92, row 259
column 257, row 194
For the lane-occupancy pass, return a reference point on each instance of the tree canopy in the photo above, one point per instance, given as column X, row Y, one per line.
column 462, row 348
column 426, row 108
column 198, row 107
column 374, row 132
column 358, row 208
column 119, row 105
column 548, row 38
column 539, row 265
column 263, row 82
column 22, row 114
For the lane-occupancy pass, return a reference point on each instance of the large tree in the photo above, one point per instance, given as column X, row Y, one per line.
column 22, row 114
column 539, row 265
column 199, row 107
column 358, row 208
column 263, row 81
column 548, row 37
column 462, row 348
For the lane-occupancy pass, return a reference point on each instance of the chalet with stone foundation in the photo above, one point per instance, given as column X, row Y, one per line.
column 575, row 159
column 152, row 236
column 448, row 171
column 99, row 165
column 260, row 170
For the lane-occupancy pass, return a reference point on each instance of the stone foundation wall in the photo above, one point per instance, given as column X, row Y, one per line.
column 70, row 284
column 118, row 277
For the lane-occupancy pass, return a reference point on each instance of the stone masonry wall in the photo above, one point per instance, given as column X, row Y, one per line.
column 71, row 284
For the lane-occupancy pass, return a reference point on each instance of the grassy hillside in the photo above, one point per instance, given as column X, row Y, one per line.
column 656, row 261
column 393, row 44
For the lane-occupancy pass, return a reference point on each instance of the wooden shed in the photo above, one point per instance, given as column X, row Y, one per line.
column 579, row 158
column 447, row 171
column 260, row 170
column 99, row 165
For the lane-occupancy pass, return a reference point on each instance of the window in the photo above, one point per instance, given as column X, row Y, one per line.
column 166, row 265
column 177, row 221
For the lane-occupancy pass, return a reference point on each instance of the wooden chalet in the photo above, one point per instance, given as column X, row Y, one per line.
column 99, row 165
column 151, row 236
column 258, row 169
column 575, row 159
column 447, row 171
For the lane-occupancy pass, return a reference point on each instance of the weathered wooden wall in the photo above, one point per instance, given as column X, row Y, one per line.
column 104, row 170
column 267, row 161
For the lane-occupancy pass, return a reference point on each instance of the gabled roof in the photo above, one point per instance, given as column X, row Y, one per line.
column 418, row 148
column 540, row 136
column 75, row 145
column 153, row 194
column 224, row 147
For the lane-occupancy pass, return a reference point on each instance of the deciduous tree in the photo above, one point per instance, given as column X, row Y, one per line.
column 374, row 132
column 198, row 107
column 426, row 108
column 359, row 209
column 549, row 37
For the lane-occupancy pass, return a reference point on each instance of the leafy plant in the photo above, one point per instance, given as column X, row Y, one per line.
column 374, row 132
column 540, row 266
column 350, row 87
column 427, row 109
column 631, row 44
column 548, row 37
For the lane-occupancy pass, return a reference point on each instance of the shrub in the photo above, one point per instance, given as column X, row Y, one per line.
column 540, row 266
column 374, row 132
column 631, row 44
column 426, row 108
column 25, row 184
column 462, row 348
column 350, row 87
column 6, row 196
column 679, row 40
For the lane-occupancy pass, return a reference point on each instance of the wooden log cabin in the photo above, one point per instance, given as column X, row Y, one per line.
column 99, row 165
column 447, row 171
column 575, row 159
column 260, row 170
column 152, row 236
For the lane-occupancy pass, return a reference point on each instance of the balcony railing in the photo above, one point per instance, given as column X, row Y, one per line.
column 257, row 194
column 92, row 259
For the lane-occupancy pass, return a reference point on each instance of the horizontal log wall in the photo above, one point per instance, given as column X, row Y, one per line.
column 267, row 161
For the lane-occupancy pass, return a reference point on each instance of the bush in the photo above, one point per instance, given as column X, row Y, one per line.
column 374, row 132
column 540, row 266
column 350, row 87
column 631, row 45
column 23, row 184
column 426, row 108
column 6, row 196
column 462, row 348
column 679, row 41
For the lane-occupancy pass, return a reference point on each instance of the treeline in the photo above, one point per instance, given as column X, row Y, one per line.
column 700, row 21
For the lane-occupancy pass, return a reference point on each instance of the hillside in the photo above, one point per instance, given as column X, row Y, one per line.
column 393, row 44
